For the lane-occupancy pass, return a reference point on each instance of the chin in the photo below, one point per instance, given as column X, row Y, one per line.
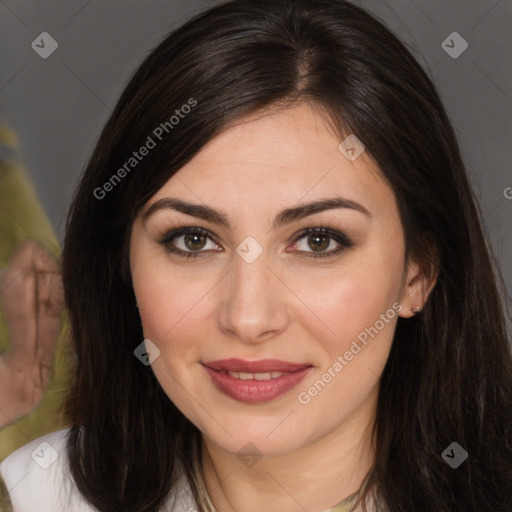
column 265, row 435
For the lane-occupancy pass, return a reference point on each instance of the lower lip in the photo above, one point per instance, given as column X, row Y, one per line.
column 254, row 391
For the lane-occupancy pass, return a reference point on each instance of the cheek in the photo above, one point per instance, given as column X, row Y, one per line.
column 358, row 316
column 359, row 305
column 171, row 309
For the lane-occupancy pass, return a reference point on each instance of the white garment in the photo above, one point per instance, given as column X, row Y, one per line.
column 38, row 479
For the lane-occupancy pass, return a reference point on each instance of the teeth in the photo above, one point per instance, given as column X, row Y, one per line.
column 263, row 376
column 255, row 376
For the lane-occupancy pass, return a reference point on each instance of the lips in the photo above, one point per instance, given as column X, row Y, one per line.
column 255, row 381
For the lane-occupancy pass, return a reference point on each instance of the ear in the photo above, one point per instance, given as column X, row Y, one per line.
column 419, row 281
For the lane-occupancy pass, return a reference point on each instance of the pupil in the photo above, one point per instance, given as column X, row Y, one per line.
column 193, row 239
column 317, row 242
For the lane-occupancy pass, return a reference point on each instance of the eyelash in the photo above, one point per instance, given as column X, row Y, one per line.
column 342, row 239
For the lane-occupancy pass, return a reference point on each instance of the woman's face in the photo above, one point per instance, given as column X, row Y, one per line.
column 259, row 340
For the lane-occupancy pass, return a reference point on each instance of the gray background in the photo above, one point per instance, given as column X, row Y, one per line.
column 58, row 105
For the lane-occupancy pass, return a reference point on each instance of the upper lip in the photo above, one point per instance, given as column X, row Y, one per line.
column 263, row 366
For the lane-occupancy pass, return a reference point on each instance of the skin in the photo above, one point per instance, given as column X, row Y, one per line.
column 284, row 305
column 32, row 299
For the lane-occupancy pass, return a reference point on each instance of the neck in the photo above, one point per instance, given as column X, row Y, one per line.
column 314, row 477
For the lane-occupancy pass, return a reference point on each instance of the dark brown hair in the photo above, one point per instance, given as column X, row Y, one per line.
column 449, row 373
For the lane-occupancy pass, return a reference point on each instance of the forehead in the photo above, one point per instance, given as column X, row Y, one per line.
column 280, row 158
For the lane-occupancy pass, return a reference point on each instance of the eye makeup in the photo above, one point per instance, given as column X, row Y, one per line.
column 167, row 240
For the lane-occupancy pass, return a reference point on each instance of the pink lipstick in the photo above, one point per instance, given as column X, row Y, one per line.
column 255, row 381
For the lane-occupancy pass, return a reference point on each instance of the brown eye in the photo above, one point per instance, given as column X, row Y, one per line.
column 318, row 242
column 194, row 241
column 189, row 242
column 314, row 242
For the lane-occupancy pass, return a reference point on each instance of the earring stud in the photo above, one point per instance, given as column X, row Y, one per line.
column 416, row 309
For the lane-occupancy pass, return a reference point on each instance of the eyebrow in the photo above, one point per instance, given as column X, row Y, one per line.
column 284, row 217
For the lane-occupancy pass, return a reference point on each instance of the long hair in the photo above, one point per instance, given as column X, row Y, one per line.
column 449, row 373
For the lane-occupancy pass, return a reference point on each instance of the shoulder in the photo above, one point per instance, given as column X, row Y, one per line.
column 37, row 478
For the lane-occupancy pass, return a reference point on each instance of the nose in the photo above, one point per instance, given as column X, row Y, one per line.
column 254, row 305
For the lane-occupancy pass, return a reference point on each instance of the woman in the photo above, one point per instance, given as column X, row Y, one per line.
column 280, row 293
